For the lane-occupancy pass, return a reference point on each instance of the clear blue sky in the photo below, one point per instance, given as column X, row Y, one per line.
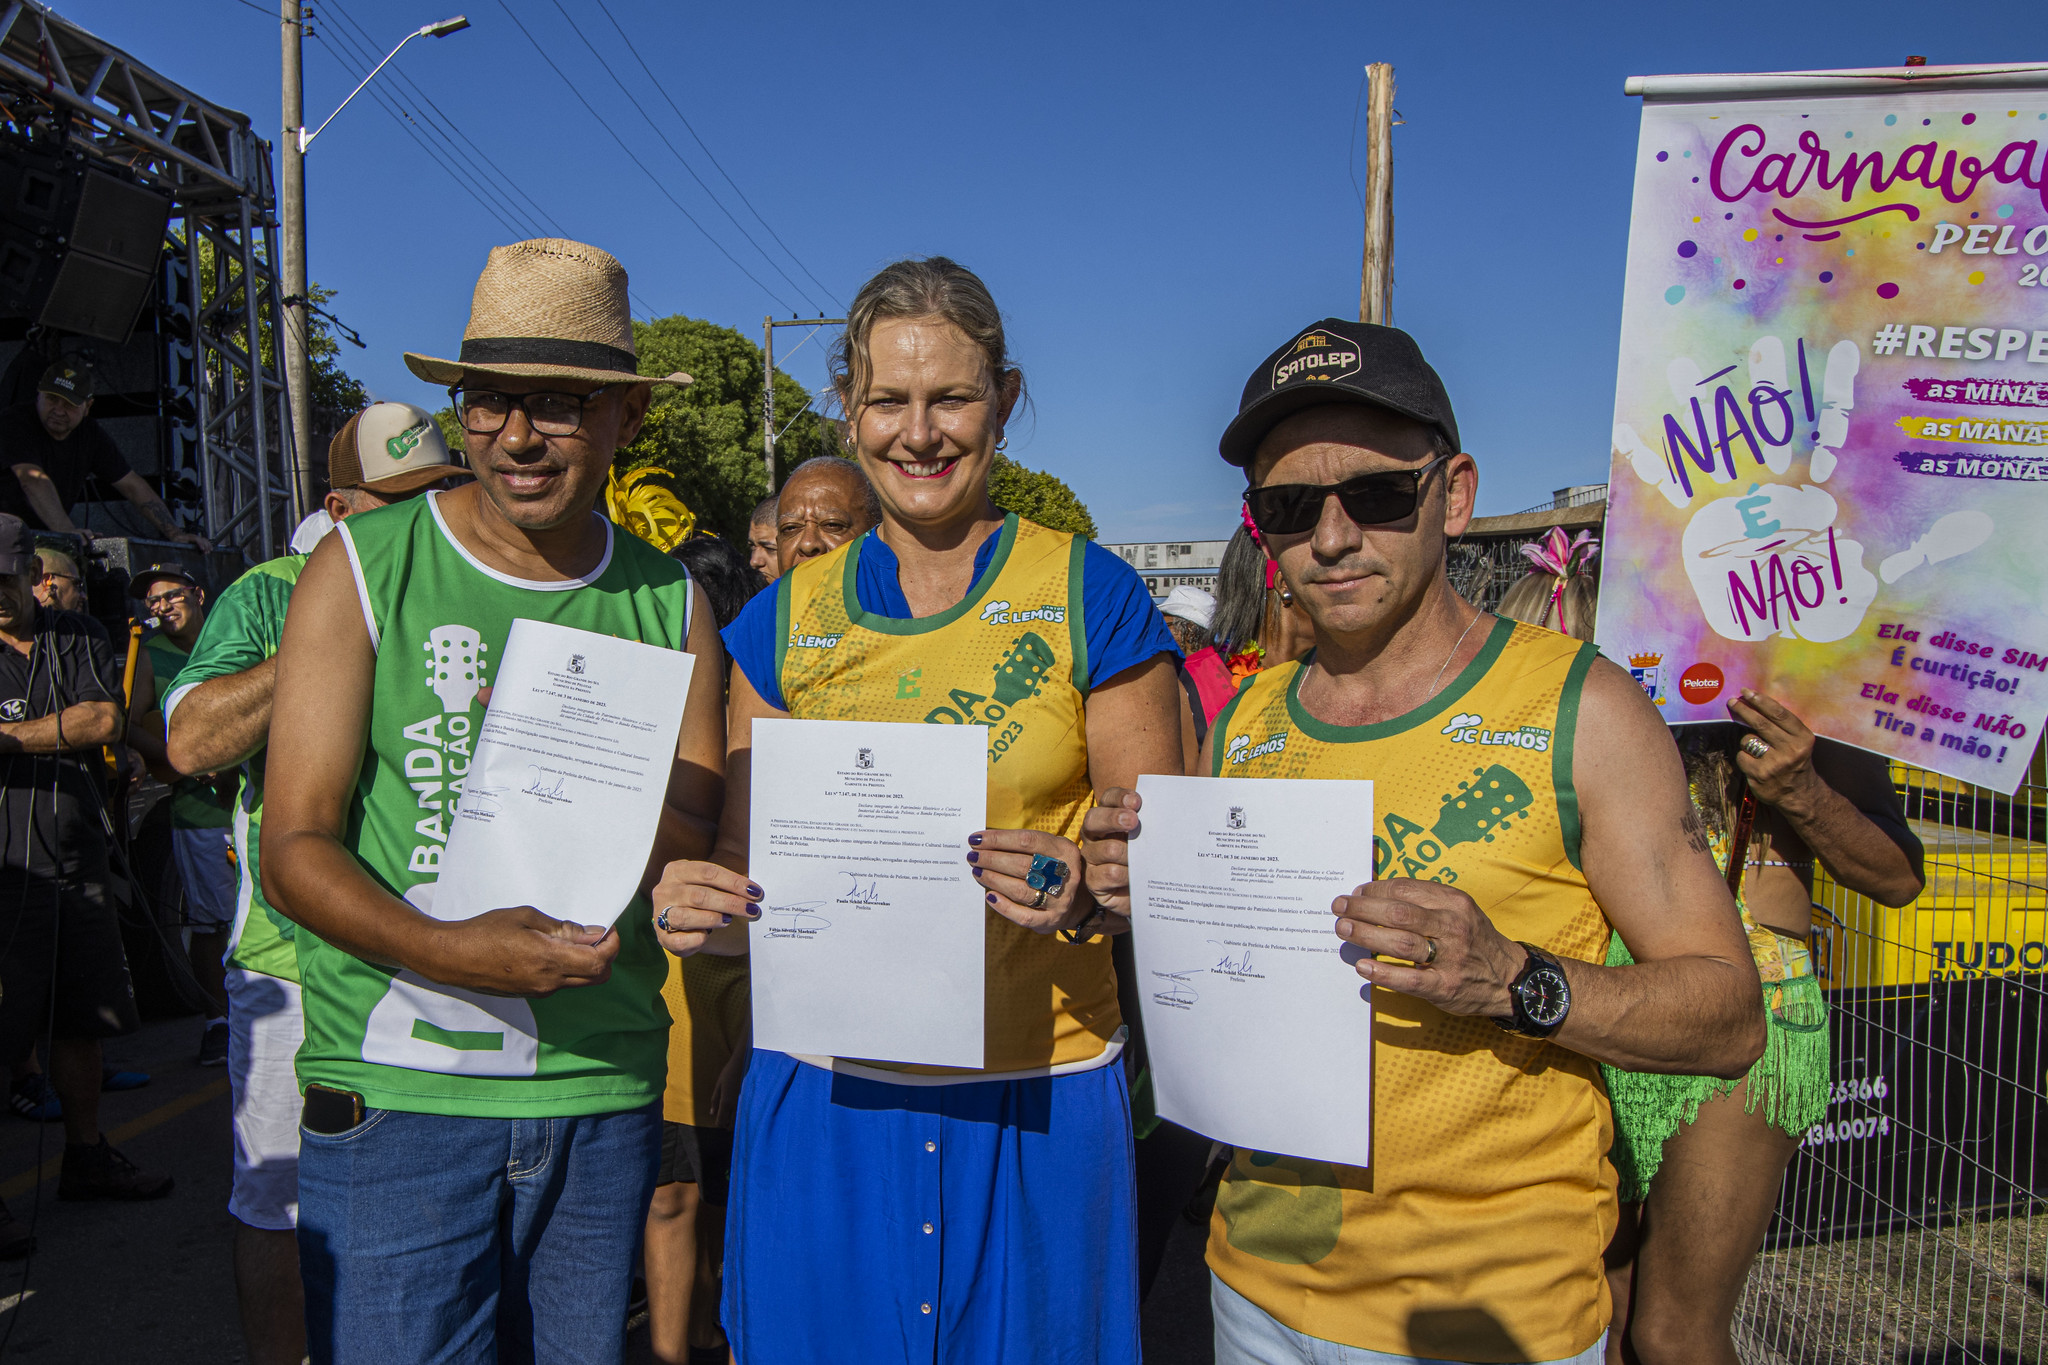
column 1157, row 194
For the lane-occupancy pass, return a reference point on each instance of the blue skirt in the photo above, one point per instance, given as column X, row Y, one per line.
column 990, row 1223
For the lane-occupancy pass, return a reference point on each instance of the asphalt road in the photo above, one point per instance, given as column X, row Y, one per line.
column 153, row 1281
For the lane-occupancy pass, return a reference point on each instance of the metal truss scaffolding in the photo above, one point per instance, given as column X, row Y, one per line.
column 218, row 294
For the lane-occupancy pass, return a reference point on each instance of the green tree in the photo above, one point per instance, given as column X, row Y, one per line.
column 1038, row 496
column 709, row 434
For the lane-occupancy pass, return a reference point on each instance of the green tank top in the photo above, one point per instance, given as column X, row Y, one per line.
column 195, row 804
column 438, row 620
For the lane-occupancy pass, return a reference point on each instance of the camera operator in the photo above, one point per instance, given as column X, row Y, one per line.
column 62, row 968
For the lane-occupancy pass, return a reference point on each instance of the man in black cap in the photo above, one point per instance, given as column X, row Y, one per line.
column 1527, row 803
column 173, row 598
column 63, row 975
column 57, row 452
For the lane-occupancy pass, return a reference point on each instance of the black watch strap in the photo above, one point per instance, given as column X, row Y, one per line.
column 1521, row 1021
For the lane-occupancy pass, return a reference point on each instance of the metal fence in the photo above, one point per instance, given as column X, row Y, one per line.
column 1908, row 1229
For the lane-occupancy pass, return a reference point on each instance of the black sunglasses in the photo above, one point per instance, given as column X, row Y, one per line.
column 1285, row 509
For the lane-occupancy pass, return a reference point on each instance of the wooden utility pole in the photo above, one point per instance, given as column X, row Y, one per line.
column 768, row 398
column 292, row 316
column 1376, row 280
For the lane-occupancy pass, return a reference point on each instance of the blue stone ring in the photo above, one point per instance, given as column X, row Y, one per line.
column 1047, row 874
column 661, row 921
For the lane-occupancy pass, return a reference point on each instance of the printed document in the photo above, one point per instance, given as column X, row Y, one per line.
column 1257, row 1028
column 870, row 941
column 560, row 806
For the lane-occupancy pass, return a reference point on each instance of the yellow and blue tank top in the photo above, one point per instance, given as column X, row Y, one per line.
column 1013, row 657
column 1477, row 1234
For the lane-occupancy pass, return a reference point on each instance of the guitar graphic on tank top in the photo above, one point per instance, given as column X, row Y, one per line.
column 1482, row 807
column 1022, row 671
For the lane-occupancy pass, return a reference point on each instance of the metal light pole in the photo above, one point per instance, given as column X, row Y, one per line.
column 298, row 367
column 768, row 326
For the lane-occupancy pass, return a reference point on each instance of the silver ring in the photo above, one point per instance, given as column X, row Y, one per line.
column 1432, row 950
column 1038, row 901
column 661, row 921
column 1754, row 746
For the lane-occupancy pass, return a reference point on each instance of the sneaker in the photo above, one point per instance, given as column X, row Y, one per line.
column 213, row 1044
column 100, row 1172
column 33, row 1097
column 16, row 1241
column 110, row 1079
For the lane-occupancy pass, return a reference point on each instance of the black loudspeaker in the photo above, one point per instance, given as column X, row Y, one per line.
column 78, row 246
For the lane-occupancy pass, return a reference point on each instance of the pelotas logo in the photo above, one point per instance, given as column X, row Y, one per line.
column 1000, row 614
column 1317, row 356
column 1700, row 684
column 798, row 640
column 1242, row 750
column 1468, row 727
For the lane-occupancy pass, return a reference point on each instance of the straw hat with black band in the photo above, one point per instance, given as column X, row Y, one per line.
column 546, row 309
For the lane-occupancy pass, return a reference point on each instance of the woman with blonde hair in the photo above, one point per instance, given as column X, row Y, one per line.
column 884, row 1212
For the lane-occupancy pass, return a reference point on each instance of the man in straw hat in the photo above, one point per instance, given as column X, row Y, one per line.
column 482, row 1115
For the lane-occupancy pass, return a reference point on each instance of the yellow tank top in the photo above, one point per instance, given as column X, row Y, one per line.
column 1477, row 1234
column 1012, row 657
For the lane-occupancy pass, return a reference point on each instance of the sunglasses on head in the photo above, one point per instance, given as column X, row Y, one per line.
column 1284, row 509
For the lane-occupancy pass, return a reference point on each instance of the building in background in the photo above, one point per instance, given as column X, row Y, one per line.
column 1169, row 564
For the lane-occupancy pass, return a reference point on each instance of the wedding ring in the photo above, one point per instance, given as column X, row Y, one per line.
column 1038, row 901
column 1432, row 950
column 1754, row 746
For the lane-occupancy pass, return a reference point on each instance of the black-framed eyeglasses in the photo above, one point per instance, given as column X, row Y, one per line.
column 484, row 412
column 165, row 599
column 1284, row 509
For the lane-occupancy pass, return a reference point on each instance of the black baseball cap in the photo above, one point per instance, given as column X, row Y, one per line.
column 1339, row 362
column 139, row 584
column 17, row 549
column 69, row 380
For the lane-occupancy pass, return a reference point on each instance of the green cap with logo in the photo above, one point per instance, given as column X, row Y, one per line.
column 389, row 448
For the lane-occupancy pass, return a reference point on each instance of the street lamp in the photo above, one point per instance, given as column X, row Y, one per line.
column 295, row 317
column 439, row 30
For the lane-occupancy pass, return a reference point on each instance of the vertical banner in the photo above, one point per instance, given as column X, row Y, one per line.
column 1830, row 458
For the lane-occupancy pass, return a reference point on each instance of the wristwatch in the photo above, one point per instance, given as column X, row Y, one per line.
column 1541, row 995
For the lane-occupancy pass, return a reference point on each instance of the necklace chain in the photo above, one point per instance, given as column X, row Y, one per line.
column 1437, row 682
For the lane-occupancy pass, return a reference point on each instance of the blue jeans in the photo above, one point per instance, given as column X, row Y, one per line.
column 426, row 1238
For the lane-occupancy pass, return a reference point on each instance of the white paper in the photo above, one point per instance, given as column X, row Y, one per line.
column 1258, row 1030
column 560, row 806
column 870, row 942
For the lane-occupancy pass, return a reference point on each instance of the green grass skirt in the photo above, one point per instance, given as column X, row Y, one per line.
column 1789, row 1083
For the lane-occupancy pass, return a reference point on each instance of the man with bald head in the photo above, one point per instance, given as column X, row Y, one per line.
column 826, row 502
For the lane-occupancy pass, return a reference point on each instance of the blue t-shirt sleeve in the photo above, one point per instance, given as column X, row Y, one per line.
column 1124, row 628
column 751, row 639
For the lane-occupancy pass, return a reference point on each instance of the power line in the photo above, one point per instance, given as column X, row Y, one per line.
column 487, row 189
column 489, row 186
column 640, row 109
column 656, row 81
column 600, row 120
column 498, row 171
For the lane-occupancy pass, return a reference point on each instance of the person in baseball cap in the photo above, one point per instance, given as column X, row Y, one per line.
column 61, row 457
column 1527, row 805
column 384, row 454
